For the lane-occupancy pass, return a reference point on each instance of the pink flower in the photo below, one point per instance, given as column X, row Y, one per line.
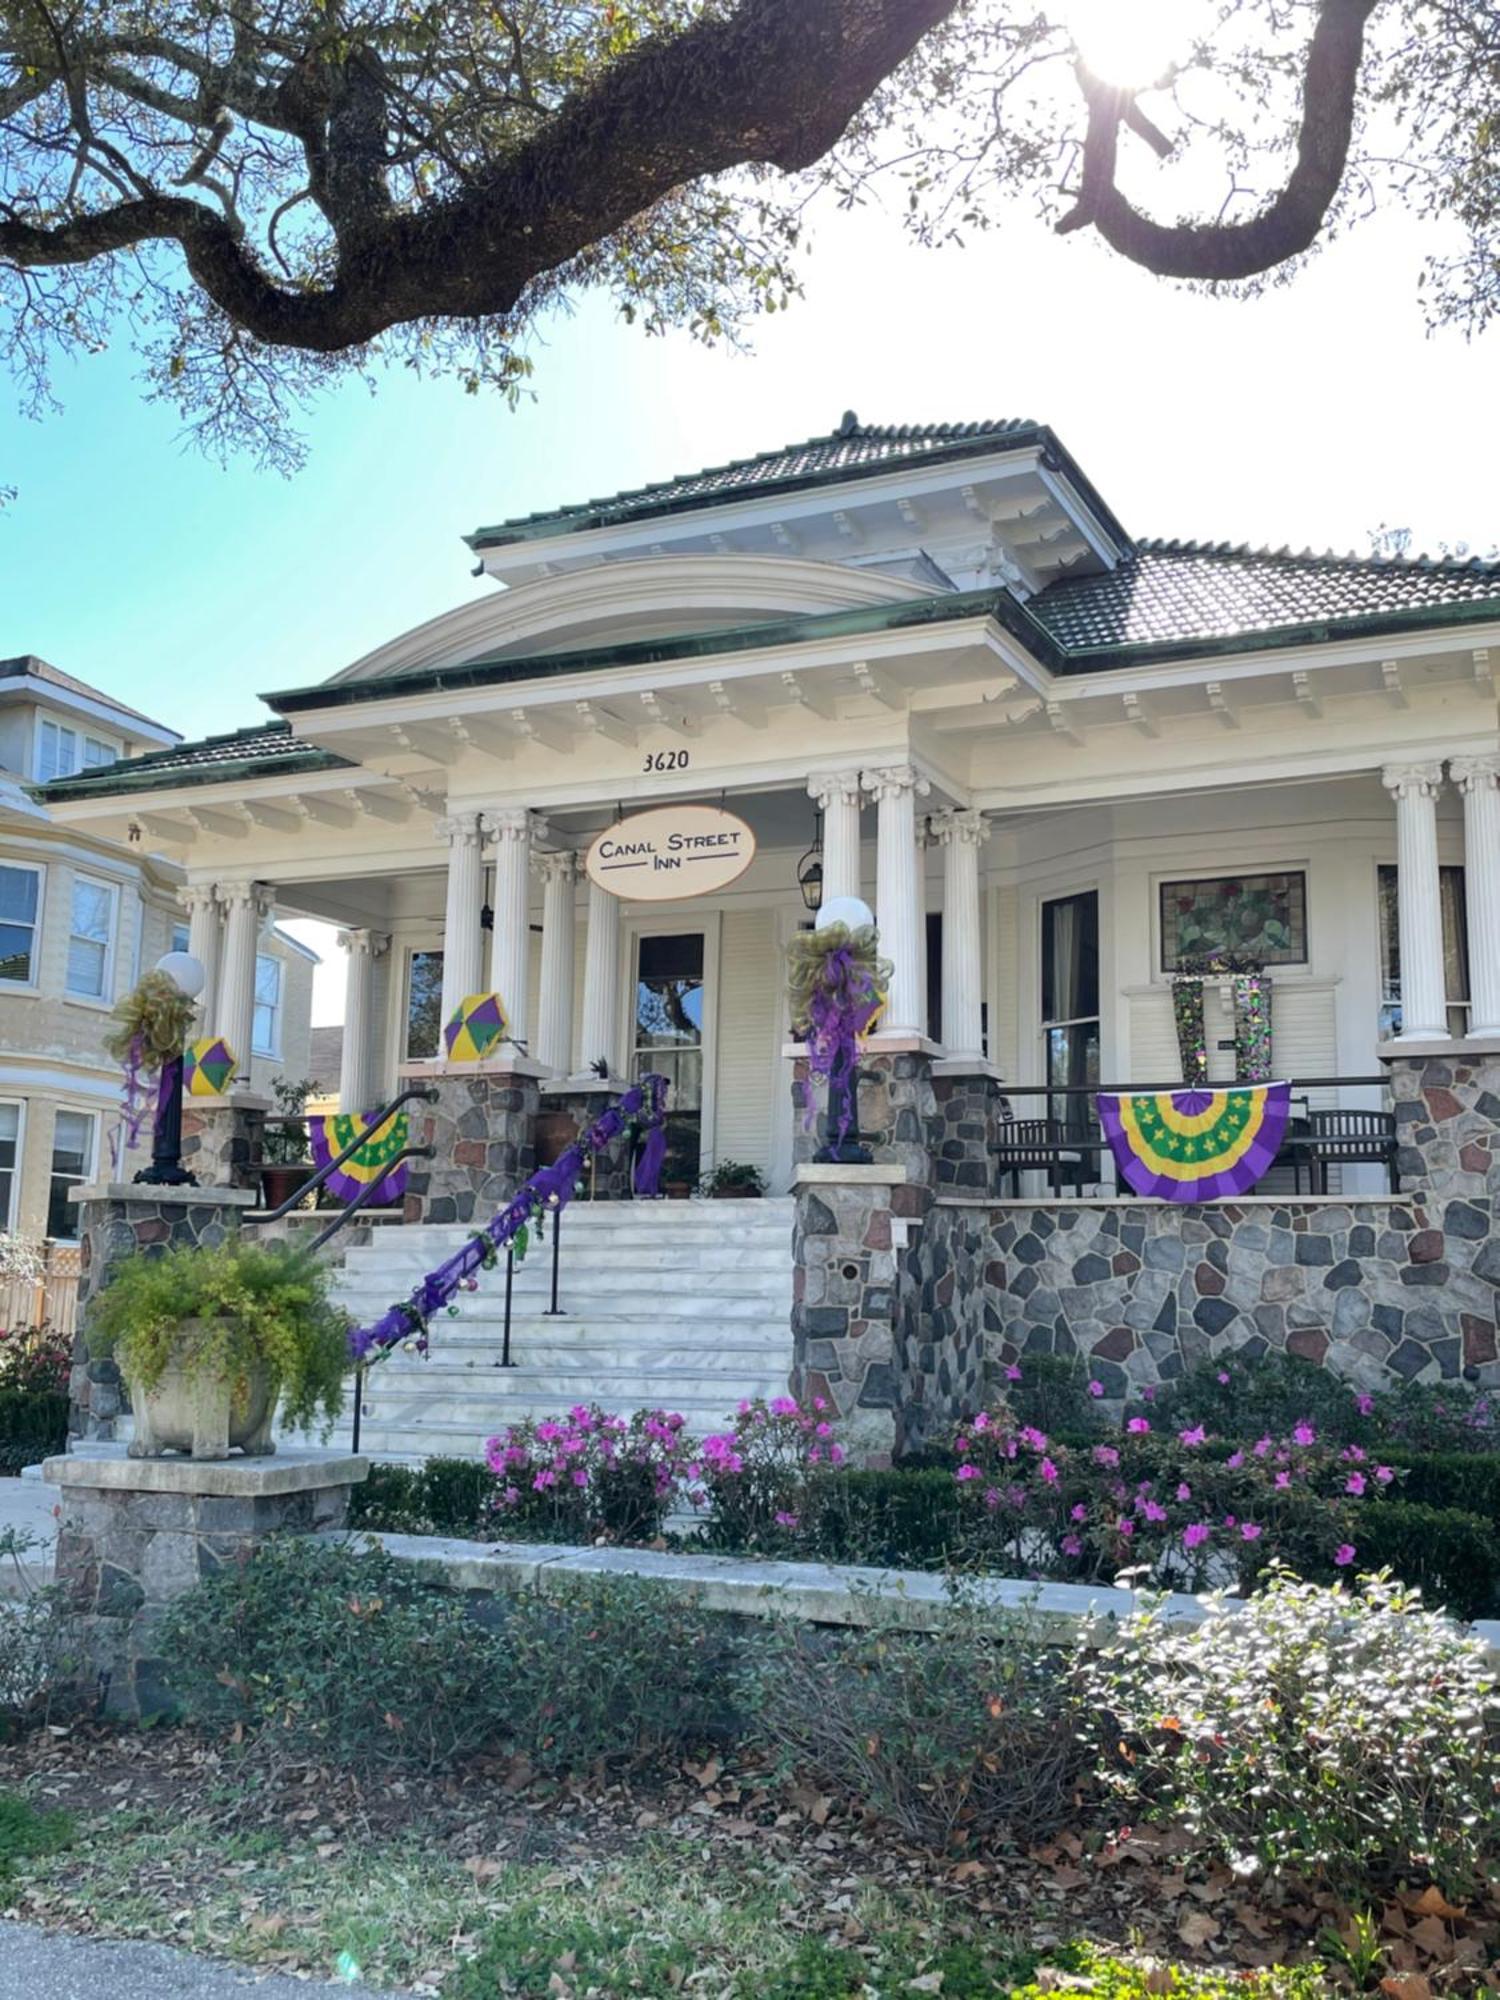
column 783, row 1406
column 1184, row 1491
column 836, row 1454
column 1283, row 1481
column 966, row 1473
column 1196, row 1533
column 1250, row 1531
column 786, row 1520
column 1304, row 1434
column 1152, row 1512
column 1078, row 1513
column 991, row 1498
column 1343, row 1555
column 1048, row 1471
column 1138, row 1426
column 1384, row 1474
column 1223, row 1379
column 1355, row 1484
column 1105, row 1454
column 1148, row 1394
column 982, row 1421
column 1071, row 1546
column 1197, row 1435
column 1096, row 1388
column 1125, row 1527
column 1013, row 1373
column 1235, row 1460
column 1365, row 1405
column 1031, row 1436
column 1261, row 1446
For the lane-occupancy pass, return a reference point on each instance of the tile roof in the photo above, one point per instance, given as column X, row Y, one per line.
column 37, row 669
column 854, row 450
column 1176, row 593
column 267, row 749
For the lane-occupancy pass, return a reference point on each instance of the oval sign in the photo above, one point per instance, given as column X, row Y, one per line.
column 670, row 854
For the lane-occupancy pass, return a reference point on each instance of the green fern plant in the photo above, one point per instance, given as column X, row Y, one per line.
column 220, row 1313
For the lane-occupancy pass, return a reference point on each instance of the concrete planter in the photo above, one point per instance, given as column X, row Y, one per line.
column 201, row 1415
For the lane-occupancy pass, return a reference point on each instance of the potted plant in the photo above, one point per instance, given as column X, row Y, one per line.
column 677, row 1174
column 732, row 1180
column 285, row 1155
column 208, row 1339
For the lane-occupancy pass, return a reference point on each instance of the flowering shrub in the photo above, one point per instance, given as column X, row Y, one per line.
column 590, row 1475
column 35, row 1360
column 765, row 1480
column 1191, row 1517
column 1352, row 1739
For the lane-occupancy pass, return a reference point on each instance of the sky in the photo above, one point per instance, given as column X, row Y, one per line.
column 1307, row 416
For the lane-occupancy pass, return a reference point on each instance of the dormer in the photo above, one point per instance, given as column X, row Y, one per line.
column 55, row 726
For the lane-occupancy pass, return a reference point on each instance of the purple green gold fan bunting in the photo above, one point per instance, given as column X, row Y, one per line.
column 371, row 1164
column 1195, row 1145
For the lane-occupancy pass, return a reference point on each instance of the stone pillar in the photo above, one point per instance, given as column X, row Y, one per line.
column 1424, row 1010
column 117, row 1221
column 1478, row 778
column 960, row 835
column 247, row 904
column 133, row 1534
column 463, row 955
column 482, row 1130
column 896, row 789
column 205, row 934
column 837, row 796
column 511, row 828
column 554, row 1030
column 601, row 984
column 358, row 1068
column 844, row 1297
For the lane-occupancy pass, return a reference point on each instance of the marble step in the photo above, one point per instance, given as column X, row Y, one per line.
column 608, row 1349
column 647, row 1306
column 598, row 1261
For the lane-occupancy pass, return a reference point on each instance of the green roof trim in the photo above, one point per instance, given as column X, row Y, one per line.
column 853, row 451
column 267, row 750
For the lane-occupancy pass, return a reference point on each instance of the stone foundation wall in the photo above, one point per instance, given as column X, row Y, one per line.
column 483, row 1130
column 844, row 1299
column 220, row 1138
column 607, row 1176
column 115, row 1222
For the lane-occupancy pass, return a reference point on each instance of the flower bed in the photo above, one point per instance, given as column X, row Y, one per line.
column 34, row 1365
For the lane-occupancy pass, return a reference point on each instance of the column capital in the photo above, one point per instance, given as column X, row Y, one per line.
column 373, row 943
column 890, row 780
column 199, row 895
column 259, row 896
column 1479, row 773
column 460, row 829
column 513, row 823
column 960, row 828
column 833, row 788
column 555, row 864
column 1406, row 781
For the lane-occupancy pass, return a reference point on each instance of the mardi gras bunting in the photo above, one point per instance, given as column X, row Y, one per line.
column 371, row 1164
column 1195, row 1145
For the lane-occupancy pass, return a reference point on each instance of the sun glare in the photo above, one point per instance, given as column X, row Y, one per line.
column 1132, row 42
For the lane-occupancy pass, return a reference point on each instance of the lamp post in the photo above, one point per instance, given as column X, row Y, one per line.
column 187, row 974
column 842, row 1115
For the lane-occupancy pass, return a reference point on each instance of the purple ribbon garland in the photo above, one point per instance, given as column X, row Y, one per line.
column 132, row 1104
column 548, row 1191
column 839, row 1011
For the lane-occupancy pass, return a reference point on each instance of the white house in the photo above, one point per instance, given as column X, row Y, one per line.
column 1049, row 752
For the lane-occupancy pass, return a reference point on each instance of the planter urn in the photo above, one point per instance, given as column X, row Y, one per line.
column 203, row 1416
column 280, row 1183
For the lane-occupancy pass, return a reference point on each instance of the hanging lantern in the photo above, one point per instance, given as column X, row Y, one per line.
column 810, row 870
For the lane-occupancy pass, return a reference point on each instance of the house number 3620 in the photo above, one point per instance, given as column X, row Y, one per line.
column 666, row 760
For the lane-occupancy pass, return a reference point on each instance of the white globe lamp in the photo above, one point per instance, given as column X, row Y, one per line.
column 846, row 910
column 186, row 973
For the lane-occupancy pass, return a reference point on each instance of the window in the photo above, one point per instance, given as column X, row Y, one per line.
column 424, row 1005
column 265, row 1039
column 91, row 939
column 668, row 1034
column 1455, row 950
column 1237, row 917
column 1070, row 1007
column 72, row 1162
column 179, row 937
column 20, row 899
column 10, row 1156
column 61, row 751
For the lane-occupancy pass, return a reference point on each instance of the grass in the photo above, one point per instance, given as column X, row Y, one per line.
column 26, row 1833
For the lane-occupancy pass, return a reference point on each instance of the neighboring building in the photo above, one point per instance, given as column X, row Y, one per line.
column 81, row 915
column 1054, row 756
column 324, row 1060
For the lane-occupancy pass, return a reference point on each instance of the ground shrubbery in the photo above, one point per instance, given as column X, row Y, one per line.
column 34, row 1365
column 39, row 1663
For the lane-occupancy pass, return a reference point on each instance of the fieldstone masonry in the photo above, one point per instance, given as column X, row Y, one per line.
column 222, row 1138
column 133, row 1534
column 117, row 1220
column 483, row 1130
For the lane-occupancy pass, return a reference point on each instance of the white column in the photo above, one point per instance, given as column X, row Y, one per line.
column 554, row 1031
column 358, row 1065
column 1478, row 778
column 960, row 835
column 895, row 789
column 601, row 983
column 246, row 905
column 511, row 828
column 463, row 953
column 837, row 796
column 1424, row 1009
column 922, row 844
column 201, row 901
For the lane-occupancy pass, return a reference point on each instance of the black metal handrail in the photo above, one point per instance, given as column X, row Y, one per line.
column 418, row 1093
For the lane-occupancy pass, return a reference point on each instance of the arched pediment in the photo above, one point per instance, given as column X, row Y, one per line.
column 650, row 598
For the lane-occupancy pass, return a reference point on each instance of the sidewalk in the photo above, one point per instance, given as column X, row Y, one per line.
column 26, row 1506
column 50, row 1965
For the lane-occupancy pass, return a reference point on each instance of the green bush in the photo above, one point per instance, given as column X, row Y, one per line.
column 1244, row 1400
column 1451, row 1556
column 337, row 1654
column 446, row 1496
column 1051, row 1392
column 1468, row 1480
column 1107, row 1978
column 963, row 1736
column 223, row 1311
column 39, row 1664
column 33, row 1425
column 1344, row 1740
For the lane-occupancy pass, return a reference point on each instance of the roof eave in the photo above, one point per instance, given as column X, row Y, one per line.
column 1388, row 624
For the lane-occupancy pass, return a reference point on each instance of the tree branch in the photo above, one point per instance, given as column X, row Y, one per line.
column 1223, row 252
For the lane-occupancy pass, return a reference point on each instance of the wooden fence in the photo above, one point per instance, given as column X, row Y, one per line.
column 52, row 1298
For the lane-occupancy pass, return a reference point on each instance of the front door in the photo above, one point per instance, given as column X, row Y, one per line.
column 667, row 1037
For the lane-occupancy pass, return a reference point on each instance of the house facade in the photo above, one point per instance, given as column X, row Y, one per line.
column 933, row 667
column 81, row 916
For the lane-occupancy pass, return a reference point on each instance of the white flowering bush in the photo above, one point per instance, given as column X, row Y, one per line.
column 1342, row 1738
